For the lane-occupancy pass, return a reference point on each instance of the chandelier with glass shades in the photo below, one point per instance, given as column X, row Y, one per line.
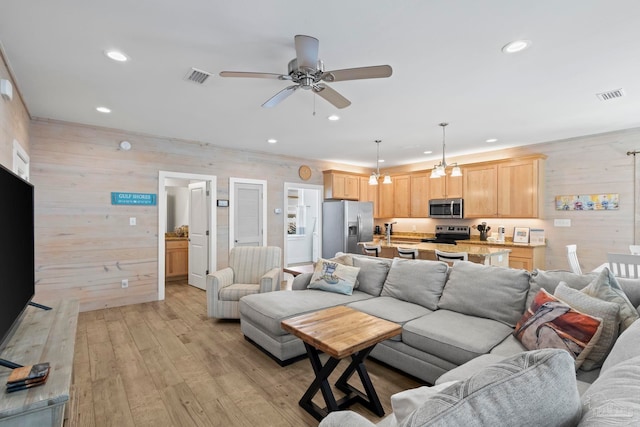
column 375, row 176
column 439, row 170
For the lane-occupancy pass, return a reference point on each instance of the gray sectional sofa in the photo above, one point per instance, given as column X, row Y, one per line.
column 455, row 320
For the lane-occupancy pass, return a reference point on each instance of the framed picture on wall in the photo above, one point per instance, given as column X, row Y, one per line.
column 521, row 235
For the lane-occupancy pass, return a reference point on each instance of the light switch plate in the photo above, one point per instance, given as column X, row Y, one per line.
column 562, row 223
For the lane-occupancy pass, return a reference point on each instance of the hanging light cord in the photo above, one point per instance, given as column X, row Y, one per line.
column 378, row 158
column 444, row 163
column 633, row 153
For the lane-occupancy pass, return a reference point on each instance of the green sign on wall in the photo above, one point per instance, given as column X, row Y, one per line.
column 144, row 199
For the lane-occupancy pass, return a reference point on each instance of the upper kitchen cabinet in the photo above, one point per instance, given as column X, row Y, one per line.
column 448, row 187
column 369, row 193
column 504, row 189
column 401, row 196
column 341, row 185
column 420, row 195
column 386, row 198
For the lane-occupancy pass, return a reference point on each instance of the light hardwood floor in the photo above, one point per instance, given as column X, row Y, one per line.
column 167, row 364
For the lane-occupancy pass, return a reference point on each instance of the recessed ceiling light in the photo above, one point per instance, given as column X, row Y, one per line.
column 272, row 141
column 516, row 46
column 428, row 152
column 125, row 145
column 116, row 55
column 333, row 117
column 492, row 140
column 103, row 109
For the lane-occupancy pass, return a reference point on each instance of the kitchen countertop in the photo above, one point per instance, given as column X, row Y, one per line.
column 461, row 246
column 475, row 240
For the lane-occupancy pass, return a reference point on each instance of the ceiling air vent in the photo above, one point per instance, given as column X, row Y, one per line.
column 197, row 76
column 612, row 94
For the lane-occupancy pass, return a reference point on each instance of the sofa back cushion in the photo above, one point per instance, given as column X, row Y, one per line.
column 627, row 346
column 417, row 281
column 492, row 292
column 532, row 388
column 373, row 273
column 607, row 288
column 549, row 280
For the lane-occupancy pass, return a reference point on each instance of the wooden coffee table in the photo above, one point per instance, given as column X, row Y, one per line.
column 340, row 332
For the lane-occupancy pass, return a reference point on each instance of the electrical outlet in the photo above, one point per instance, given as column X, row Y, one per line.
column 562, row 223
column 132, row 220
column 413, row 228
column 125, row 283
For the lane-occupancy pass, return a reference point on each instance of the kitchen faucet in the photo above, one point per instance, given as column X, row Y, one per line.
column 389, row 230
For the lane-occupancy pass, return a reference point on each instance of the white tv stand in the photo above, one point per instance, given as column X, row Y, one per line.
column 41, row 336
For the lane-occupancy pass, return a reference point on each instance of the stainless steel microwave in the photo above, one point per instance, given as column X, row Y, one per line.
column 446, row 208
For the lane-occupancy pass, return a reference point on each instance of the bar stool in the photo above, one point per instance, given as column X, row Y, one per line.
column 411, row 253
column 450, row 257
column 370, row 249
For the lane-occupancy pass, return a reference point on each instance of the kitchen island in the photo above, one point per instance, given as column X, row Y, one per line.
column 481, row 254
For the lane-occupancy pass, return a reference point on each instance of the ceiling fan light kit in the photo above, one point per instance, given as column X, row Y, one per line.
column 306, row 70
column 440, row 170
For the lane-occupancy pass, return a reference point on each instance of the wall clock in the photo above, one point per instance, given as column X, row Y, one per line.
column 304, row 172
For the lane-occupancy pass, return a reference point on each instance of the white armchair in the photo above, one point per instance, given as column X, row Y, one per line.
column 252, row 270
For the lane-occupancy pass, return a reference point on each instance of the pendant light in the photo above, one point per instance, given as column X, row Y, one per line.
column 375, row 176
column 440, row 169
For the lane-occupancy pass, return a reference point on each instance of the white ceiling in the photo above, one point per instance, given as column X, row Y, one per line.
column 446, row 58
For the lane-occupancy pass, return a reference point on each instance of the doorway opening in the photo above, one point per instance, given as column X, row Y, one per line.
column 187, row 199
column 302, row 223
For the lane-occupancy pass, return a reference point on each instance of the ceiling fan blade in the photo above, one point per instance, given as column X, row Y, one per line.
column 374, row 72
column 331, row 95
column 307, row 51
column 253, row 75
column 280, row 96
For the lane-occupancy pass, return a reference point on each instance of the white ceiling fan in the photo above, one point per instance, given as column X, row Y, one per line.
column 307, row 72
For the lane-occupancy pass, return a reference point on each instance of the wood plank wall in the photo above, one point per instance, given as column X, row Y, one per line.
column 85, row 246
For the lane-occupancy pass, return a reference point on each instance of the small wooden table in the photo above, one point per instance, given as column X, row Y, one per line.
column 340, row 332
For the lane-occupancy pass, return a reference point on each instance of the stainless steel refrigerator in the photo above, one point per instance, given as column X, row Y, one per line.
column 344, row 224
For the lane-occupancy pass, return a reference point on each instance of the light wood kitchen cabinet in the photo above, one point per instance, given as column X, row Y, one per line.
column 419, row 195
column 176, row 259
column 527, row 257
column 480, row 191
column 401, row 196
column 341, row 185
column 369, row 193
column 385, row 196
column 448, row 187
column 504, row 189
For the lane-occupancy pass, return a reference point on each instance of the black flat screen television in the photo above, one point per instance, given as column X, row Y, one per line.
column 17, row 272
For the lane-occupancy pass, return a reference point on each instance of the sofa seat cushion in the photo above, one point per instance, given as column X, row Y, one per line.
column 453, row 336
column 614, row 398
column 536, row 388
column 465, row 371
column 391, row 309
column 237, row 290
column 268, row 309
column 417, row 281
column 491, row 292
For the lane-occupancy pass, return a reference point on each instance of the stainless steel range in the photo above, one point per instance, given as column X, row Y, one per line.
column 449, row 234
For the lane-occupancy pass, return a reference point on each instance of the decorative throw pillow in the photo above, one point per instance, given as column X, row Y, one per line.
column 550, row 323
column 334, row 277
column 607, row 288
column 533, row 388
column 607, row 311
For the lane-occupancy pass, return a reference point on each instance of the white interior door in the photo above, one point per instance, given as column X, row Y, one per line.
column 198, row 234
column 248, row 215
